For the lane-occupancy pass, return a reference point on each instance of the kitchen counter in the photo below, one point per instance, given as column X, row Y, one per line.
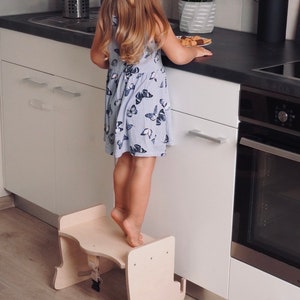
column 236, row 54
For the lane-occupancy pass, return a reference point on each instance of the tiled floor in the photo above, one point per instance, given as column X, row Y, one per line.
column 28, row 256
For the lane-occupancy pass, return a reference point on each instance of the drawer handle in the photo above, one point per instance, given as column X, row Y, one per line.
column 219, row 140
column 34, row 82
column 40, row 105
column 61, row 90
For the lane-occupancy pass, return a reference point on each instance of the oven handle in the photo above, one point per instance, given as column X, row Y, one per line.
column 270, row 149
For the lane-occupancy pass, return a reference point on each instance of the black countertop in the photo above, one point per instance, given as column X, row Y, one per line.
column 236, row 54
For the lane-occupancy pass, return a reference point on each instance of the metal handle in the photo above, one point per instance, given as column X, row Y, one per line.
column 270, row 149
column 219, row 140
column 61, row 90
column 39, row 104
column 34, row 81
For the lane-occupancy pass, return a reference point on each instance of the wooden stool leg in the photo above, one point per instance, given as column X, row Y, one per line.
column 76, row 265
column 74, row 262
column 150, row 272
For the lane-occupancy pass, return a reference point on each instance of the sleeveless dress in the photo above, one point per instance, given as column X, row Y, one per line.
column 137, row 107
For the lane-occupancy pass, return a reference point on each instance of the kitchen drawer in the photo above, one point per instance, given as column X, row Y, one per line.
column 65, row 60
column 201, row 96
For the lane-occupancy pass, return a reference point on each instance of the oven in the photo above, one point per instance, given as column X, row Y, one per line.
column 266, row 223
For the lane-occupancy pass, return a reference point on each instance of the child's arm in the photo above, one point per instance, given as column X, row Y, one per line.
column 98, row 57
column 179, row 54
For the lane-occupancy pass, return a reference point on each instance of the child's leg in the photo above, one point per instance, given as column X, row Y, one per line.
column 122, row 173
column 139, row 187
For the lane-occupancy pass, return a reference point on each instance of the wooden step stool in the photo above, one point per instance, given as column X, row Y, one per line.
column 92, row 244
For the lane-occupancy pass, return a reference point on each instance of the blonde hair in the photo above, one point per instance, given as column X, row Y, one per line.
column 139, row 22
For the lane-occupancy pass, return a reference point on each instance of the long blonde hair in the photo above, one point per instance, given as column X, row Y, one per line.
column 139, row 22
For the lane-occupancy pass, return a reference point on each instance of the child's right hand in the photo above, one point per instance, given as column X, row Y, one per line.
column 180, row 54
column 201, row 51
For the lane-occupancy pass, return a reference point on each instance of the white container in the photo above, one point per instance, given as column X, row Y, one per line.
column 197, row 17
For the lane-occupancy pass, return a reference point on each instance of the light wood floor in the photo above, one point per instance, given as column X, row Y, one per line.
column 28, row 254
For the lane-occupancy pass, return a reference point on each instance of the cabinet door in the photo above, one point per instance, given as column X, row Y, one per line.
column 28, row 135
column 192, row 199
column 83, row 170
column 248, row 283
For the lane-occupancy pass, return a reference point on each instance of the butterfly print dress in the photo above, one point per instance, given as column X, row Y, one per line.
column 137, row 114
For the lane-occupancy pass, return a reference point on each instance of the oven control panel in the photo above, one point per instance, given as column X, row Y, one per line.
column 268, row 108
column 284, row 115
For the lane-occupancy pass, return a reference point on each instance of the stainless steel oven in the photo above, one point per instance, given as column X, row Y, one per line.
column 266, row 224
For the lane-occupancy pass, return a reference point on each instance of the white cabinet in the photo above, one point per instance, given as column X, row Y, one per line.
column 52, row 119
column 28, row 135
column 248, row 283
column 193, row 186
column 83, row 169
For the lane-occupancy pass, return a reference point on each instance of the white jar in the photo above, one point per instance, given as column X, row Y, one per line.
column 197, row 17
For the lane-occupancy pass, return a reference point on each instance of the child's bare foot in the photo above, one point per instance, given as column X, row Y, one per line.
column 119, row 216
column 133, row 233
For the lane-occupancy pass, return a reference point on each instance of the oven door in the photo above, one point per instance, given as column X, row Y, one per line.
column 266, row 225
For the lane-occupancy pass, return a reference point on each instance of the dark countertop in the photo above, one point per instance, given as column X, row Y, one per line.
column 236, row 54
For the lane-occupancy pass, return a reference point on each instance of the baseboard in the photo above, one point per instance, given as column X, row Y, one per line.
column 36, row 211
column 7, row 202
column 197, row 292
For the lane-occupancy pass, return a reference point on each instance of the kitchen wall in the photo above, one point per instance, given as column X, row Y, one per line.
column 240, row 14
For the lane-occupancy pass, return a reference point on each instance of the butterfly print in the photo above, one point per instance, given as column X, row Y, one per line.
column 128, row 89
column 117, row 102
column 137, row 149
column 153, row 76
column 157, row 57
column 117, row 51
column 108, row 92
column 164, row 103
column 158, row 117
column 152, row 116
column 114, row 62
column 115, row 21
column 129, row 126
column 131, row 70
column 120, row 142
column 132, row 111
column 119, row 127
column 164, row 84
column 148, row 132
column 153, row 140
column 161, row 117
column 114, row 76
column 141, row 95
